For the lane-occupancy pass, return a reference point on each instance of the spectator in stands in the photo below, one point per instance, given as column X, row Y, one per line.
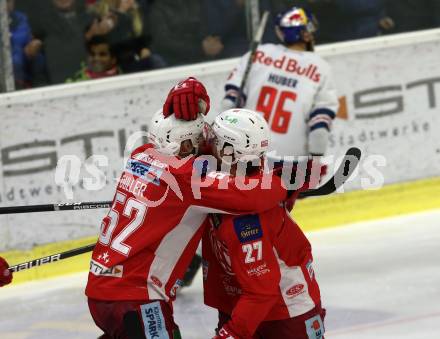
column 176, row 30
column 101, row 61
column 62, row 28
column 129, row 34
column 224, row 27
column 24, row 48
column 29, row 6
column 412, row 15
column 342, row 20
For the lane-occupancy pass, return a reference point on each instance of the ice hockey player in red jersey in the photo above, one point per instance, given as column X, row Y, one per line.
column 5, row 274
column 292, row 87
column 257, row 268
column 154, row 226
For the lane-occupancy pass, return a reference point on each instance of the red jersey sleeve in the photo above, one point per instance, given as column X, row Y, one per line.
column 238, row 195
column 257, row 271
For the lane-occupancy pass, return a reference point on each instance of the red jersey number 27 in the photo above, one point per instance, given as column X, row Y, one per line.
column 111, row 222
column 271, row 98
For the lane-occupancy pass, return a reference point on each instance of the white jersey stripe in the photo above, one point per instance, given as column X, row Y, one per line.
column 171, row 248
column 294, row 289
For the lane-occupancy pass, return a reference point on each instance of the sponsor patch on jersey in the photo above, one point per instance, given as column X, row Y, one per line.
column 177, row 285
column 100, row 270
column 144, row 171
column 315, row 327
column 258, row 271
column 156, row 281
column 154, row 321
column 295, row 290
column 248, row 228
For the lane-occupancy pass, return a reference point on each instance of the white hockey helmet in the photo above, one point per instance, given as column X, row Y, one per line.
column 167, row 134
column 245, row 130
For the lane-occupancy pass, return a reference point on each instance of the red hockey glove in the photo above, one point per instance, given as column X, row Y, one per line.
column 5, row 275
column 226, row 333
column 186, row 100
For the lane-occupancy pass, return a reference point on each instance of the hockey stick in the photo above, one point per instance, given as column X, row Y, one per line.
column 253, row 49
column 51, row 258
column 74, row 206
column 345, row 170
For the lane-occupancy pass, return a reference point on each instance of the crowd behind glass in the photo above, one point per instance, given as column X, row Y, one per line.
column 58, row 41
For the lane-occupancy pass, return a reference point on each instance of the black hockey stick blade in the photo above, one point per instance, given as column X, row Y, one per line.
column 74, row 206
column 345, row 170
column 51, row 258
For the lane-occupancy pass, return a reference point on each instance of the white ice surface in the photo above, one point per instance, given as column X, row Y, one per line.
column 378, row 280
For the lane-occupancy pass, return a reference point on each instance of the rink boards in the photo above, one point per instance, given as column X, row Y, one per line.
column 389, row 95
